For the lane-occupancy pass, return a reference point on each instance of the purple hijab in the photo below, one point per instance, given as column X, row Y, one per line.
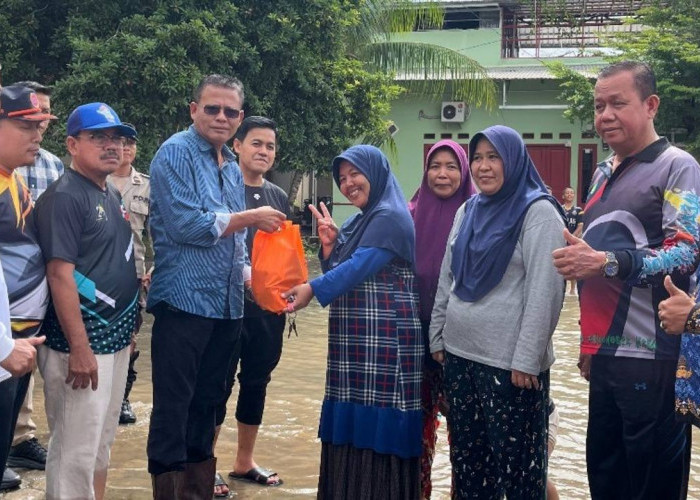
column 491, row 226
column 433, row 218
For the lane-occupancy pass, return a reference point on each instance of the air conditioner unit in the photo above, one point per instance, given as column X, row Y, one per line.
column 454, row 112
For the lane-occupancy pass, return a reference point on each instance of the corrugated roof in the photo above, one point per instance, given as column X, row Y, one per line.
column 539, row 72
column 521, row 72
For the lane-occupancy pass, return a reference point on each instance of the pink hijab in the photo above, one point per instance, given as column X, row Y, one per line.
column 433, row 218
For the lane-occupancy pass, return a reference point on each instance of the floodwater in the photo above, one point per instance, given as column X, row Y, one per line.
column 287, row 441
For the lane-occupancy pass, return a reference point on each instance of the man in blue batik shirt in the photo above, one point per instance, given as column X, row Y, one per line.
column 198, row 222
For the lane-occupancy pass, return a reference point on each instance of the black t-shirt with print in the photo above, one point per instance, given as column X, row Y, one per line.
column 81, row 223
column 573, row 218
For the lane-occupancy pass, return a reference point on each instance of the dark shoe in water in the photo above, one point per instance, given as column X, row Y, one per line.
column 126, row 415
column 10, row 480
column 29, row 454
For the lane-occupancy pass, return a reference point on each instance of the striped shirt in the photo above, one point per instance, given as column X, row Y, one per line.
column 196, row 269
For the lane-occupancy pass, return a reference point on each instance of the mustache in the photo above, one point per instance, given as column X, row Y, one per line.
column 109, row 155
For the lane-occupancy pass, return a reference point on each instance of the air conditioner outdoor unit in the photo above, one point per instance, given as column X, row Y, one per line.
column 454, row 112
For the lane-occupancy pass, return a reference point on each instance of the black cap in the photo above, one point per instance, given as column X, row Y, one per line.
column 21, row 103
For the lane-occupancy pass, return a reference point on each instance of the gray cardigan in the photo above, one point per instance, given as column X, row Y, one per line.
column 511, row 327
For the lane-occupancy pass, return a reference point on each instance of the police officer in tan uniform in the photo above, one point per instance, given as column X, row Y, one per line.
column 135, row 189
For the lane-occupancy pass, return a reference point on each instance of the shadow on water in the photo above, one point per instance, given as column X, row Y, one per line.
column 287, row 442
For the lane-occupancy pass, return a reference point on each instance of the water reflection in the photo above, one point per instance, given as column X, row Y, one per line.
column 287, row 442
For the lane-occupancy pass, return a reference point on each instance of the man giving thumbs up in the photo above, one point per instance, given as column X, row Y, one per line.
column 675, row 311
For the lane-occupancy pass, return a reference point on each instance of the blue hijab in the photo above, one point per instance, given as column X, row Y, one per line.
column 384, row 222
column 491, row 225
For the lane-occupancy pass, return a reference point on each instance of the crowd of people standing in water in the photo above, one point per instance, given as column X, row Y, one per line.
column 445, row 305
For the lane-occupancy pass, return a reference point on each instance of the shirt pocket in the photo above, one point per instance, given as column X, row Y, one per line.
column 139, row 209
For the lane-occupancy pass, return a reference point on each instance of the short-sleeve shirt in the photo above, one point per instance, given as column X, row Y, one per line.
column 573, row 218
column 85, row 225
column 266, row 195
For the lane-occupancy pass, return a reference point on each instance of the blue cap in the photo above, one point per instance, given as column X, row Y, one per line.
column 95, row 116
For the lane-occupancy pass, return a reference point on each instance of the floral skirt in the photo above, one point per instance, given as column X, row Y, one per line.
column 498, row 432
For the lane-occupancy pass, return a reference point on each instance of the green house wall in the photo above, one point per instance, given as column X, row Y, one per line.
column 417, row 116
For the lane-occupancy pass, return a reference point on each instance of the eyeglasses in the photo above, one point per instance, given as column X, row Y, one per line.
column 129, row 141
column 229, row 113
column 101, row 139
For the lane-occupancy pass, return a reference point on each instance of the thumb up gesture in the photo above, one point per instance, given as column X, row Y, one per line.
column 577, row 260
column 673, row 312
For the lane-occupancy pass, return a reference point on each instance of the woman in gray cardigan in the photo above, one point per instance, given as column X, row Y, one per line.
column 497, row 304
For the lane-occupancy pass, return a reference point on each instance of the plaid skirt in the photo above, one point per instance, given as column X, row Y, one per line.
column 373, row 377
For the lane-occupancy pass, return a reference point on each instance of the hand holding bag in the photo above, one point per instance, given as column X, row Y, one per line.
column 278, row 264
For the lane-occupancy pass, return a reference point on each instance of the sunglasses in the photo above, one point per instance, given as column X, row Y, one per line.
column 229, row 113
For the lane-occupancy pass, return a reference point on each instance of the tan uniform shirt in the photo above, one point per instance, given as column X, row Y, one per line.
column 136, row 193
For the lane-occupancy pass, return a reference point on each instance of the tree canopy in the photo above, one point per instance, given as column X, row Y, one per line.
column 144, row 58
column 322, row 69
column 670, row 44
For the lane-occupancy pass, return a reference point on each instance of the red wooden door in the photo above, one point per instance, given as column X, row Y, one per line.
column 553, row 162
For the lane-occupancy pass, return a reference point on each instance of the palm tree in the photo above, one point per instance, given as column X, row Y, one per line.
column 377, row 40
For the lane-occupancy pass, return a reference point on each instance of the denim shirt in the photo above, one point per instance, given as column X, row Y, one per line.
column 196, row 269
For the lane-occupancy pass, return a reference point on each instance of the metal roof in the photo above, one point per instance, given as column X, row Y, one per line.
column 539, row 72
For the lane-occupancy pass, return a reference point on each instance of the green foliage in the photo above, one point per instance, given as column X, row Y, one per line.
column 577, row 93
column 421, row 68
column 671, row 46
column 323, row 69
column 145, row 57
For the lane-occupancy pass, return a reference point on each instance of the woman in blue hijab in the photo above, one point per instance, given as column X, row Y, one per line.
column 497, row 304
column 371, row 418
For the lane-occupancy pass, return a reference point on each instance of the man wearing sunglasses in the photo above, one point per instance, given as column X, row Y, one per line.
column 198, row 221
column 85, row 236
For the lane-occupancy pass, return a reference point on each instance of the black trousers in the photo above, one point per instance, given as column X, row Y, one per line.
column 635, row 448
column 12, row 394
column 190, row 358
column 260, row 352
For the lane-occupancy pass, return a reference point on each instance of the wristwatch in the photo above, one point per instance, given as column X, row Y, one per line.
column 611, row 266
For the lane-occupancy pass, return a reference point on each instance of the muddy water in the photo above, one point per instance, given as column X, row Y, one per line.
column 287, row 442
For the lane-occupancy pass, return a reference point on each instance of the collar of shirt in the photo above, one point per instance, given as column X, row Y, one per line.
column 646, row 155
column 206, row 146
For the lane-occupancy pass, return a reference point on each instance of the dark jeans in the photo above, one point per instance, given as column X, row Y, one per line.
column 635, row 448
column 190, row 358
column 12, row 393
column 260, row 352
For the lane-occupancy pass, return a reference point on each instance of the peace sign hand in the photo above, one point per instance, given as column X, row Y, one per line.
column 327, row 230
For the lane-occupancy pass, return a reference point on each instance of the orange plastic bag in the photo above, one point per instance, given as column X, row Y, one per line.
column 278, row 264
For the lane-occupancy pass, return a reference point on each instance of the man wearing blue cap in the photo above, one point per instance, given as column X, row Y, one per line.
column 22, row 275
column 86, row 240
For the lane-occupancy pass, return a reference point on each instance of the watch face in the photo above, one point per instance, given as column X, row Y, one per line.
column 611, row 269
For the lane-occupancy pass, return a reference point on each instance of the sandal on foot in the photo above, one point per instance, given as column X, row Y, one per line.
column 219, row 481
column 258, row 475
